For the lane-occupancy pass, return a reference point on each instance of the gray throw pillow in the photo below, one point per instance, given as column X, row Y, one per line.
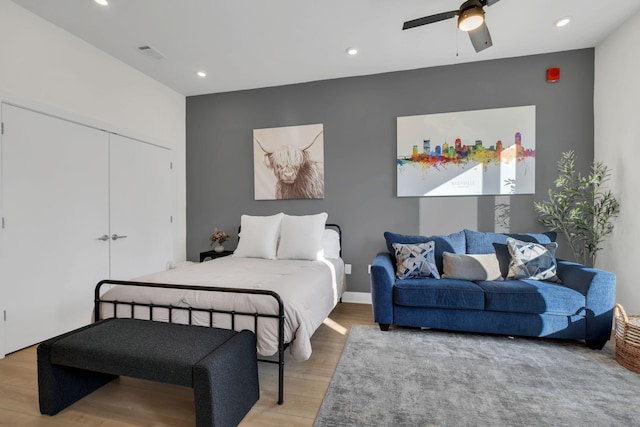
column 471, row 266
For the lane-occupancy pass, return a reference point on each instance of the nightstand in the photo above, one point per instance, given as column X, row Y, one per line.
column 213, row 254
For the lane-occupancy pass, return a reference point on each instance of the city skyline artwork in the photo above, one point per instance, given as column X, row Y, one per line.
column 468, row 153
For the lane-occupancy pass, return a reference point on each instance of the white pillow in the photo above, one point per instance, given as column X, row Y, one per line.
column 258, row 236
column 301, row 236
column 331, row 243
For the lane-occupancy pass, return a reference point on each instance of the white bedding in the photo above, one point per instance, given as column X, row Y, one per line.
column 309, row 291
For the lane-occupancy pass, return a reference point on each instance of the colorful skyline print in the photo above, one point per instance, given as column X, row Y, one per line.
column 481, row 152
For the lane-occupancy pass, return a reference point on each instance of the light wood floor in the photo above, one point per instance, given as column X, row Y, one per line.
column 133, row 402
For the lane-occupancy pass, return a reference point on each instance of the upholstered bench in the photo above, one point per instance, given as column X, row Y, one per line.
column 219, row 364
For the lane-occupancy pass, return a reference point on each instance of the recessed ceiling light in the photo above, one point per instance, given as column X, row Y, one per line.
column 102, row 2
column 352, row 51
column 201, row 74
column 563, row 21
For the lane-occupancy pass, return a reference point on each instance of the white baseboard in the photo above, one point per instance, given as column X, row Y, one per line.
column 357, row 297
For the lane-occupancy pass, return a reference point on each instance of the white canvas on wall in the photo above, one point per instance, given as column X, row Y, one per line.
column 467, row 153
column 288, row 162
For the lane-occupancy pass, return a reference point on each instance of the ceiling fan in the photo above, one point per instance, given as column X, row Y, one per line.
column 470, row 19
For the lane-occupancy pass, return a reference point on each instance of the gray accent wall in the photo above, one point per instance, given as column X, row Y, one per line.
column 359, row 117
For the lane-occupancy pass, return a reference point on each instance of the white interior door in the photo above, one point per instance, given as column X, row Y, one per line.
column 55, row 207
column 140, row 208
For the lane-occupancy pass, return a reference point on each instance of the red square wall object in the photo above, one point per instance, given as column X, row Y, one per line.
column 553, row 75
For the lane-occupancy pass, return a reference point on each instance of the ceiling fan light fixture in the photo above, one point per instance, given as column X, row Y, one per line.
column 471, row 18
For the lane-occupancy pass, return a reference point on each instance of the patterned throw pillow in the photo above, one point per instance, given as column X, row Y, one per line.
column 415, row 260
column 532, row 260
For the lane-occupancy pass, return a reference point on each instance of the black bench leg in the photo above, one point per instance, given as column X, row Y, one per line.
column 225, row 382
column 60, row 386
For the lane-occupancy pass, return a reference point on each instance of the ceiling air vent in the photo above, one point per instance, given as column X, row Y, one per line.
column 151, row 52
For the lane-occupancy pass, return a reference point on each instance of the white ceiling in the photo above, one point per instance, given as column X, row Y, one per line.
column 244, row 44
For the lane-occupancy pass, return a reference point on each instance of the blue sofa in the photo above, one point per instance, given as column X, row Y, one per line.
column 580, row 307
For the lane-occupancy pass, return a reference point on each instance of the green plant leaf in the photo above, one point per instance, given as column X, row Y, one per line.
column 580, row 208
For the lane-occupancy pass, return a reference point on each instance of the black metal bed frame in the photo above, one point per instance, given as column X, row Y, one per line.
column 232, row 313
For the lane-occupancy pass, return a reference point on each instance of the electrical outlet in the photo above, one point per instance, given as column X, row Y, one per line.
column 347, row 269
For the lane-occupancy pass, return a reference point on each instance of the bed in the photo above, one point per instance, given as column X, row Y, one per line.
column 284, row 294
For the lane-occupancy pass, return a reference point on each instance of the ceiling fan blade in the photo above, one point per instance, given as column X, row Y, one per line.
column 490, row 2
column 480, row 37
column 429, row 19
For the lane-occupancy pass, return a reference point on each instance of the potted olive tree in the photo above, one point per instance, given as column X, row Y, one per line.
column 580, row 208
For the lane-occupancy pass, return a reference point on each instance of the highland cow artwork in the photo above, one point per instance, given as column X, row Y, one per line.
column 288, row 162
column 467, row 153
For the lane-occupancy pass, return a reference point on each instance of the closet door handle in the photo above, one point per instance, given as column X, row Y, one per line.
column 116, row 237
column 104, row 238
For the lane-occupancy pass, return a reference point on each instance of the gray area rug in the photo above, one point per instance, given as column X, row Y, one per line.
column 407, row 377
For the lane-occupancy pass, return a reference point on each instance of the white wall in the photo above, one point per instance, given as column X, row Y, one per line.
column 617, row 136
column 47, row 68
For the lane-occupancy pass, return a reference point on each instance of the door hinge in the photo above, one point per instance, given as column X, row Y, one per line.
column 170, row 165
column 5, row 315
column 2, row 222
column 171, row 219
column 2, row 128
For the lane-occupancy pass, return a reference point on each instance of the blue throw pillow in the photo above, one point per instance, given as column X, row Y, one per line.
column 504, row 257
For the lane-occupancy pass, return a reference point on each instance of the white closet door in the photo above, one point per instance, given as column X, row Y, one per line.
column 55, row 206
column 140, row 208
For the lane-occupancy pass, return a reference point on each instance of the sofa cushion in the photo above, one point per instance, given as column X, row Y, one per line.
column 546, row 237
column 454, row 243
column 443, row 293
column 415, row 260
column 482, row 242
column 471, row 266
column 532, row 296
